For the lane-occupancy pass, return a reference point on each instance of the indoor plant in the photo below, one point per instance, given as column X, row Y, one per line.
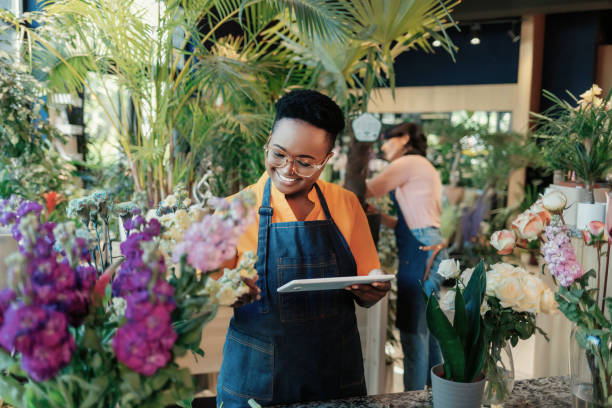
column 459, row 381
column 70, row 338
column 577, row 137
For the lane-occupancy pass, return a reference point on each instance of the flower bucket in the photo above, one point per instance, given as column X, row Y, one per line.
column 451, row 394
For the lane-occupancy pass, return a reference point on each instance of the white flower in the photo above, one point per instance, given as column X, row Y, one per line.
column 509, row 291
column 447, row 301
column 497, row 274
column 449, row 268
column 226, row 296
column 466, row 275
column 504, row 241
column 554, row 201
column 532, row 287
column 187, row 202
column 484, row 308
column 548, row 304
column 169, row 201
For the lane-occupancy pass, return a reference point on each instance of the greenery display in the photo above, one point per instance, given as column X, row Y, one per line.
column 26, row 150
column 577, row 136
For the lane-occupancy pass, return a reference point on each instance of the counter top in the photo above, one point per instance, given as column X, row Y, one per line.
column 547, row 392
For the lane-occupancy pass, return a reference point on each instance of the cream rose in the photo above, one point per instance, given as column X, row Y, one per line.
column 509, row 291
column 484, row 308
column 532, row 287
column 554, row 201
column 449, row 268
column 504, row 241
column 498, row 273
column 528, row 225
column 169, row 201
column 548, row 304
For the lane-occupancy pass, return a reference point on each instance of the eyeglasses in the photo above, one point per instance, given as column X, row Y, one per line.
column 302, row 167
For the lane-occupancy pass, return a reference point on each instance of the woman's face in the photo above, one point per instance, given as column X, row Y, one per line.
column 296, row 140
column 395, row 147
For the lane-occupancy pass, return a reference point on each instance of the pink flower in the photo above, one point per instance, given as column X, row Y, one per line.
column 559, row 255
column 504, row 241
column 528, row 225
column 595, row 233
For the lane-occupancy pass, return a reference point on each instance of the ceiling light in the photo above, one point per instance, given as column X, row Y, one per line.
column 514, row 33
column 436, row 43
column 475, row 34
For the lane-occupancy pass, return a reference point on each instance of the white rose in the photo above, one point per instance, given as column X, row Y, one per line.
column 466, row 275
column 449, row 268
column 554, row 201
column 182, row 219
column 548, row 304
column 509, row 291
column 532, row 290
column 447, row 301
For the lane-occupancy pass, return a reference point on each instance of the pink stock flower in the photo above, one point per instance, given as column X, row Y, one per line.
column 559, row 255
column 504, row 241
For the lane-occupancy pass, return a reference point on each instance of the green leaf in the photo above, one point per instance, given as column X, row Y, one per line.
column 460, row 321
column 450, row 344
column 12, row 391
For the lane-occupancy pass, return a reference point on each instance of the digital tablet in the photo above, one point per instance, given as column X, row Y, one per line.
column 305, row 285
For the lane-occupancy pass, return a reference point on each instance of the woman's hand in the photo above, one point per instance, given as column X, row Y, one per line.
column 252, row 295
column 368, row 295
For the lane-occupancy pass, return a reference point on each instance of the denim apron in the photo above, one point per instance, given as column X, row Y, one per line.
column 421, row 350
column 294, row 347
column 412, row 263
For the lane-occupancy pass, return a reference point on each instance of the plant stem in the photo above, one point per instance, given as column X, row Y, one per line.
column 598, row 274
column 603, row 301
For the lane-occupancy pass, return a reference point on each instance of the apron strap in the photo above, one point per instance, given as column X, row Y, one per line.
column 265, row 219
column 323, row 202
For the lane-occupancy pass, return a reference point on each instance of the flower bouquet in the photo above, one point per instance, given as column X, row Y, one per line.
column 512, row 298
column 578, row 299
column 72, row 336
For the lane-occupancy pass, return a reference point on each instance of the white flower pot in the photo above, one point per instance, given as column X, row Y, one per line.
column 587, row 212
column 451, row 394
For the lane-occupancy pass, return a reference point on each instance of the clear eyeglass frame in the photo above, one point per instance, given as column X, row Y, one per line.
column 298, row 165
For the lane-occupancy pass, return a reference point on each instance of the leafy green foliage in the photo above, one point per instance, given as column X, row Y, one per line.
column 462, row 343
column 578, row 138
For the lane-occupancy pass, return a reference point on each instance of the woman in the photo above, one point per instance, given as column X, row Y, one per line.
column 286, row 348
column 416, row 191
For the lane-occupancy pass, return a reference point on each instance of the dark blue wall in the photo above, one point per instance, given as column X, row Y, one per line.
column 570, row 53
column 493, row 61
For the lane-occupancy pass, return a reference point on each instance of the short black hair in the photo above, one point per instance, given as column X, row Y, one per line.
column 312, row 107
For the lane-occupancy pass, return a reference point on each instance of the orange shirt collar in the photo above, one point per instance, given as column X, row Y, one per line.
column 282, row 209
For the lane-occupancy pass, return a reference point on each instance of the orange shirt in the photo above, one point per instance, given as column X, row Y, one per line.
column 345, row 210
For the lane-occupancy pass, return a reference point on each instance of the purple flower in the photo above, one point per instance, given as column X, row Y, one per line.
column 6, row 297
column 19, row 323
column 45, row 361
column 559, row 255
column 54, row 330
column 28, row 207
column 7, row 218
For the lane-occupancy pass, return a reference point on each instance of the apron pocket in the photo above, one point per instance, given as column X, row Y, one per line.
column 248, row 367
column 313, row 305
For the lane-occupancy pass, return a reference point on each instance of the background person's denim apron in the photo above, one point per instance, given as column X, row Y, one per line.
column 298, row 346
column 421, row 349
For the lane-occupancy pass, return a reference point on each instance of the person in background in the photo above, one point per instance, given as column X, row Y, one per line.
column 416, row 191
column 285, row 348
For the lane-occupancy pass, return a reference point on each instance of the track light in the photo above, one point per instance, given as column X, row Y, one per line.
column 436, row 43
column 475, row 34
column 514, row 34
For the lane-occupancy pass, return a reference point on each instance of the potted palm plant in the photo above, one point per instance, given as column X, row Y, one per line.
column 577, row 137
column 459, row 381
